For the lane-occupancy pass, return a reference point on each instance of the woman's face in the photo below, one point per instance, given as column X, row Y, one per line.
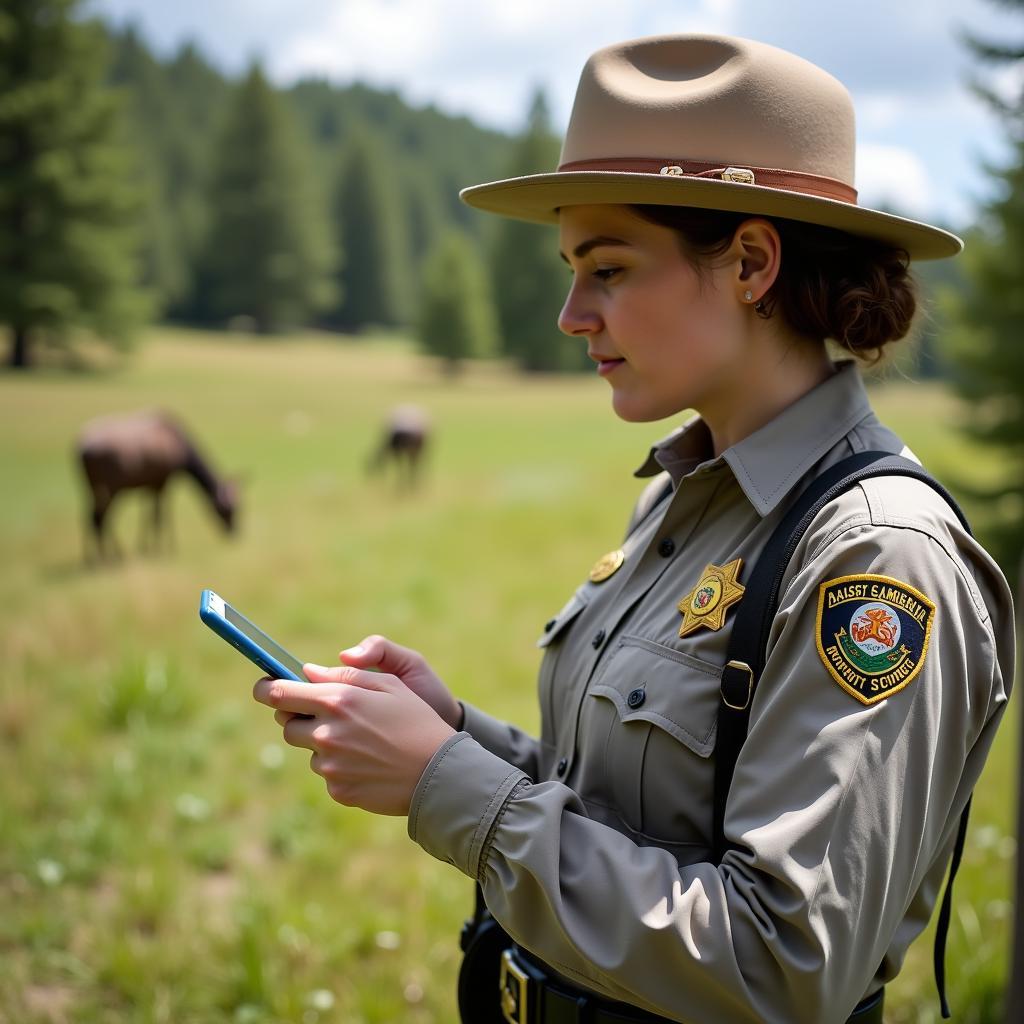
column 663, row 337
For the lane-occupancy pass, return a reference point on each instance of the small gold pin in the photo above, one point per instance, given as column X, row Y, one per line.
column 607, row 565
column 743, row 175
column 718, row 589
column 672, row 170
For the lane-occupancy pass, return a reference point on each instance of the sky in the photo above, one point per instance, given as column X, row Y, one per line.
column 923, row 137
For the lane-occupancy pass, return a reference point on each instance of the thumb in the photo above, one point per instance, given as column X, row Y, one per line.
column 349, row 675
column 321, row 674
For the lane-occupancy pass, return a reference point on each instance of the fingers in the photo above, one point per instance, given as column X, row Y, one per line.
column 283, row 695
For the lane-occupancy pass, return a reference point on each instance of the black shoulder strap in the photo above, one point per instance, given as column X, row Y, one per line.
column 751, row 628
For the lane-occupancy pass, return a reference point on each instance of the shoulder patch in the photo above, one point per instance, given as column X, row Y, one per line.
column 872, row 634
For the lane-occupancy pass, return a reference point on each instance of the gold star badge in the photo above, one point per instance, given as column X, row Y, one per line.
column 719, row 588
column 607, row 565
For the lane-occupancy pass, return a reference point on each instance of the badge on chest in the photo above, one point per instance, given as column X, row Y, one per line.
column 716, row 592
column 607, row 565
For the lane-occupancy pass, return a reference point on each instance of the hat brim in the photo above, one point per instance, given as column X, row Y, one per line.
column 538, row 197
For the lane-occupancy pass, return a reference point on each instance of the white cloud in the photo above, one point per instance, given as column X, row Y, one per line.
column 483, row 61
column 903, row 63
column 895, row 178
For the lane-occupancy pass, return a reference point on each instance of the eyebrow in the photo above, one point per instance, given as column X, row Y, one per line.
column 584, row 248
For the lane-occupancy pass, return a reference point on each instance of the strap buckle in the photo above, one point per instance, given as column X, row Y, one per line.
column 728, row 685
column 514, row 988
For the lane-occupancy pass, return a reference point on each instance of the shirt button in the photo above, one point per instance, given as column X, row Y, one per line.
column 636, row 698
column 598, row 639
column 667, row 547
column 562, row 765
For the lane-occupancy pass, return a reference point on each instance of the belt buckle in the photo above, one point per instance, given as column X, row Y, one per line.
column 513, row 985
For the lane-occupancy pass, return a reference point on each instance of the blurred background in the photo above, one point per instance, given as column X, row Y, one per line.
column 230, row 234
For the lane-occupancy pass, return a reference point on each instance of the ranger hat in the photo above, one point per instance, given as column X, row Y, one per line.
column 713, row 122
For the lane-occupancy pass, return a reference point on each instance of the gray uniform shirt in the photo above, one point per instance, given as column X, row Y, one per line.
column 592, row 844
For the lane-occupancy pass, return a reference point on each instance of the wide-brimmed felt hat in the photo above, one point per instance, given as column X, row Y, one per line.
column 713, row 122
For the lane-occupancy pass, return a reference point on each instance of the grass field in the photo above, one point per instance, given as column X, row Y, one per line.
column 164, row 856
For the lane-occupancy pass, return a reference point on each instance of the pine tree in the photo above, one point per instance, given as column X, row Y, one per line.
column 268, row 254
column 152, row 112
column 529, row 278
column 986, row 342
column 174, row 108
column 456, row 320
column 67, row 248
column 369, row 217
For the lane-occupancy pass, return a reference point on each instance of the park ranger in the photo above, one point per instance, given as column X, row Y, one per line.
column 648, row 858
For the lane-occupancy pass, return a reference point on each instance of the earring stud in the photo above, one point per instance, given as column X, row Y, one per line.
column 748, row 295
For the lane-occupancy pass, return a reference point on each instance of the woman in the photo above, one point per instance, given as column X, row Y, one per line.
column 706, row 211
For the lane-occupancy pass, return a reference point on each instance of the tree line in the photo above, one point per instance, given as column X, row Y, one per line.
column 169, row 191
column 134, row 187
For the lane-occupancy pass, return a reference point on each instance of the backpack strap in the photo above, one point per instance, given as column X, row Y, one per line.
column 747, row 650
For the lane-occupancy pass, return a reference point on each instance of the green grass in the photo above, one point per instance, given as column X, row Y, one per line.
column 165, row 857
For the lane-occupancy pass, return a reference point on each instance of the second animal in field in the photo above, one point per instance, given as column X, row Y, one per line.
column 403, row 445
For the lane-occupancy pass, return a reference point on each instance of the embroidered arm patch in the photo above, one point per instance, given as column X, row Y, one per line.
column 872, row 634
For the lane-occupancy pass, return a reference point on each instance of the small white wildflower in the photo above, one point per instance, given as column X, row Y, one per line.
column 321, row 999
column 986, row 837
column 192, row 807
column 387, row 940
column 50, row 871
column 272, row 756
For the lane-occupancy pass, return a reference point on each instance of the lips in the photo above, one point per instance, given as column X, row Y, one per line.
column 606, row 364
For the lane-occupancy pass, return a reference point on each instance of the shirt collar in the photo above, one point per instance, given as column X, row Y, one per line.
column 769, row 462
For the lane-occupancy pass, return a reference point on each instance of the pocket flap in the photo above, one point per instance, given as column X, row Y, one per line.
column 648, row 682
column 555, row 626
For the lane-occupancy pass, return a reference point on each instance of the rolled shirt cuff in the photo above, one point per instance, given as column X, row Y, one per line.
column 459, row 800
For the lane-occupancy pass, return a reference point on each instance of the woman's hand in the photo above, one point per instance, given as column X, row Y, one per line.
column 370, row 734
column 411, row 667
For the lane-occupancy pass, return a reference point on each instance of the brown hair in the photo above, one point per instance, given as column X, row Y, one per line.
column 856, row 291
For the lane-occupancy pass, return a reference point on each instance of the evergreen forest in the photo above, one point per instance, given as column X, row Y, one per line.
column 325, row 205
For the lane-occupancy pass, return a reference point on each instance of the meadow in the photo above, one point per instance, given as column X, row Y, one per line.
column 164, row 856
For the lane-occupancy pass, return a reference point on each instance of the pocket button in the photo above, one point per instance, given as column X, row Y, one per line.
column 636, row 697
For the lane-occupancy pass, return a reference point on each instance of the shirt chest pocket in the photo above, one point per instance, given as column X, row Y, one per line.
column 650, row 723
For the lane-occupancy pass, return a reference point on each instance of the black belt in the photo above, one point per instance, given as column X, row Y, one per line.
column 531, row 995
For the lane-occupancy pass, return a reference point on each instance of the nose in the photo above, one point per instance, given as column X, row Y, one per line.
column 578, row 318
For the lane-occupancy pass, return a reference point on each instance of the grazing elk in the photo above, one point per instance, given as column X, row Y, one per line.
column 403, row 443
column 143, row 450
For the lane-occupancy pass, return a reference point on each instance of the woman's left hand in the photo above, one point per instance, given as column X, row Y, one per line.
column 371, row 736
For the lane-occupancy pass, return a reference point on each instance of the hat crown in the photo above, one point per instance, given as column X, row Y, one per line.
column 712, row 98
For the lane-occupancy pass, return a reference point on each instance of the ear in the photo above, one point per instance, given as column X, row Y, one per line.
column 757, row 252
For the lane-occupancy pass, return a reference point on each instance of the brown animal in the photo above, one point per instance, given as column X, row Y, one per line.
column 143, row 450
column 404, row 442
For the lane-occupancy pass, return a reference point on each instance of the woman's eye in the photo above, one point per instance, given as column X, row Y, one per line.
column 606, row 273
